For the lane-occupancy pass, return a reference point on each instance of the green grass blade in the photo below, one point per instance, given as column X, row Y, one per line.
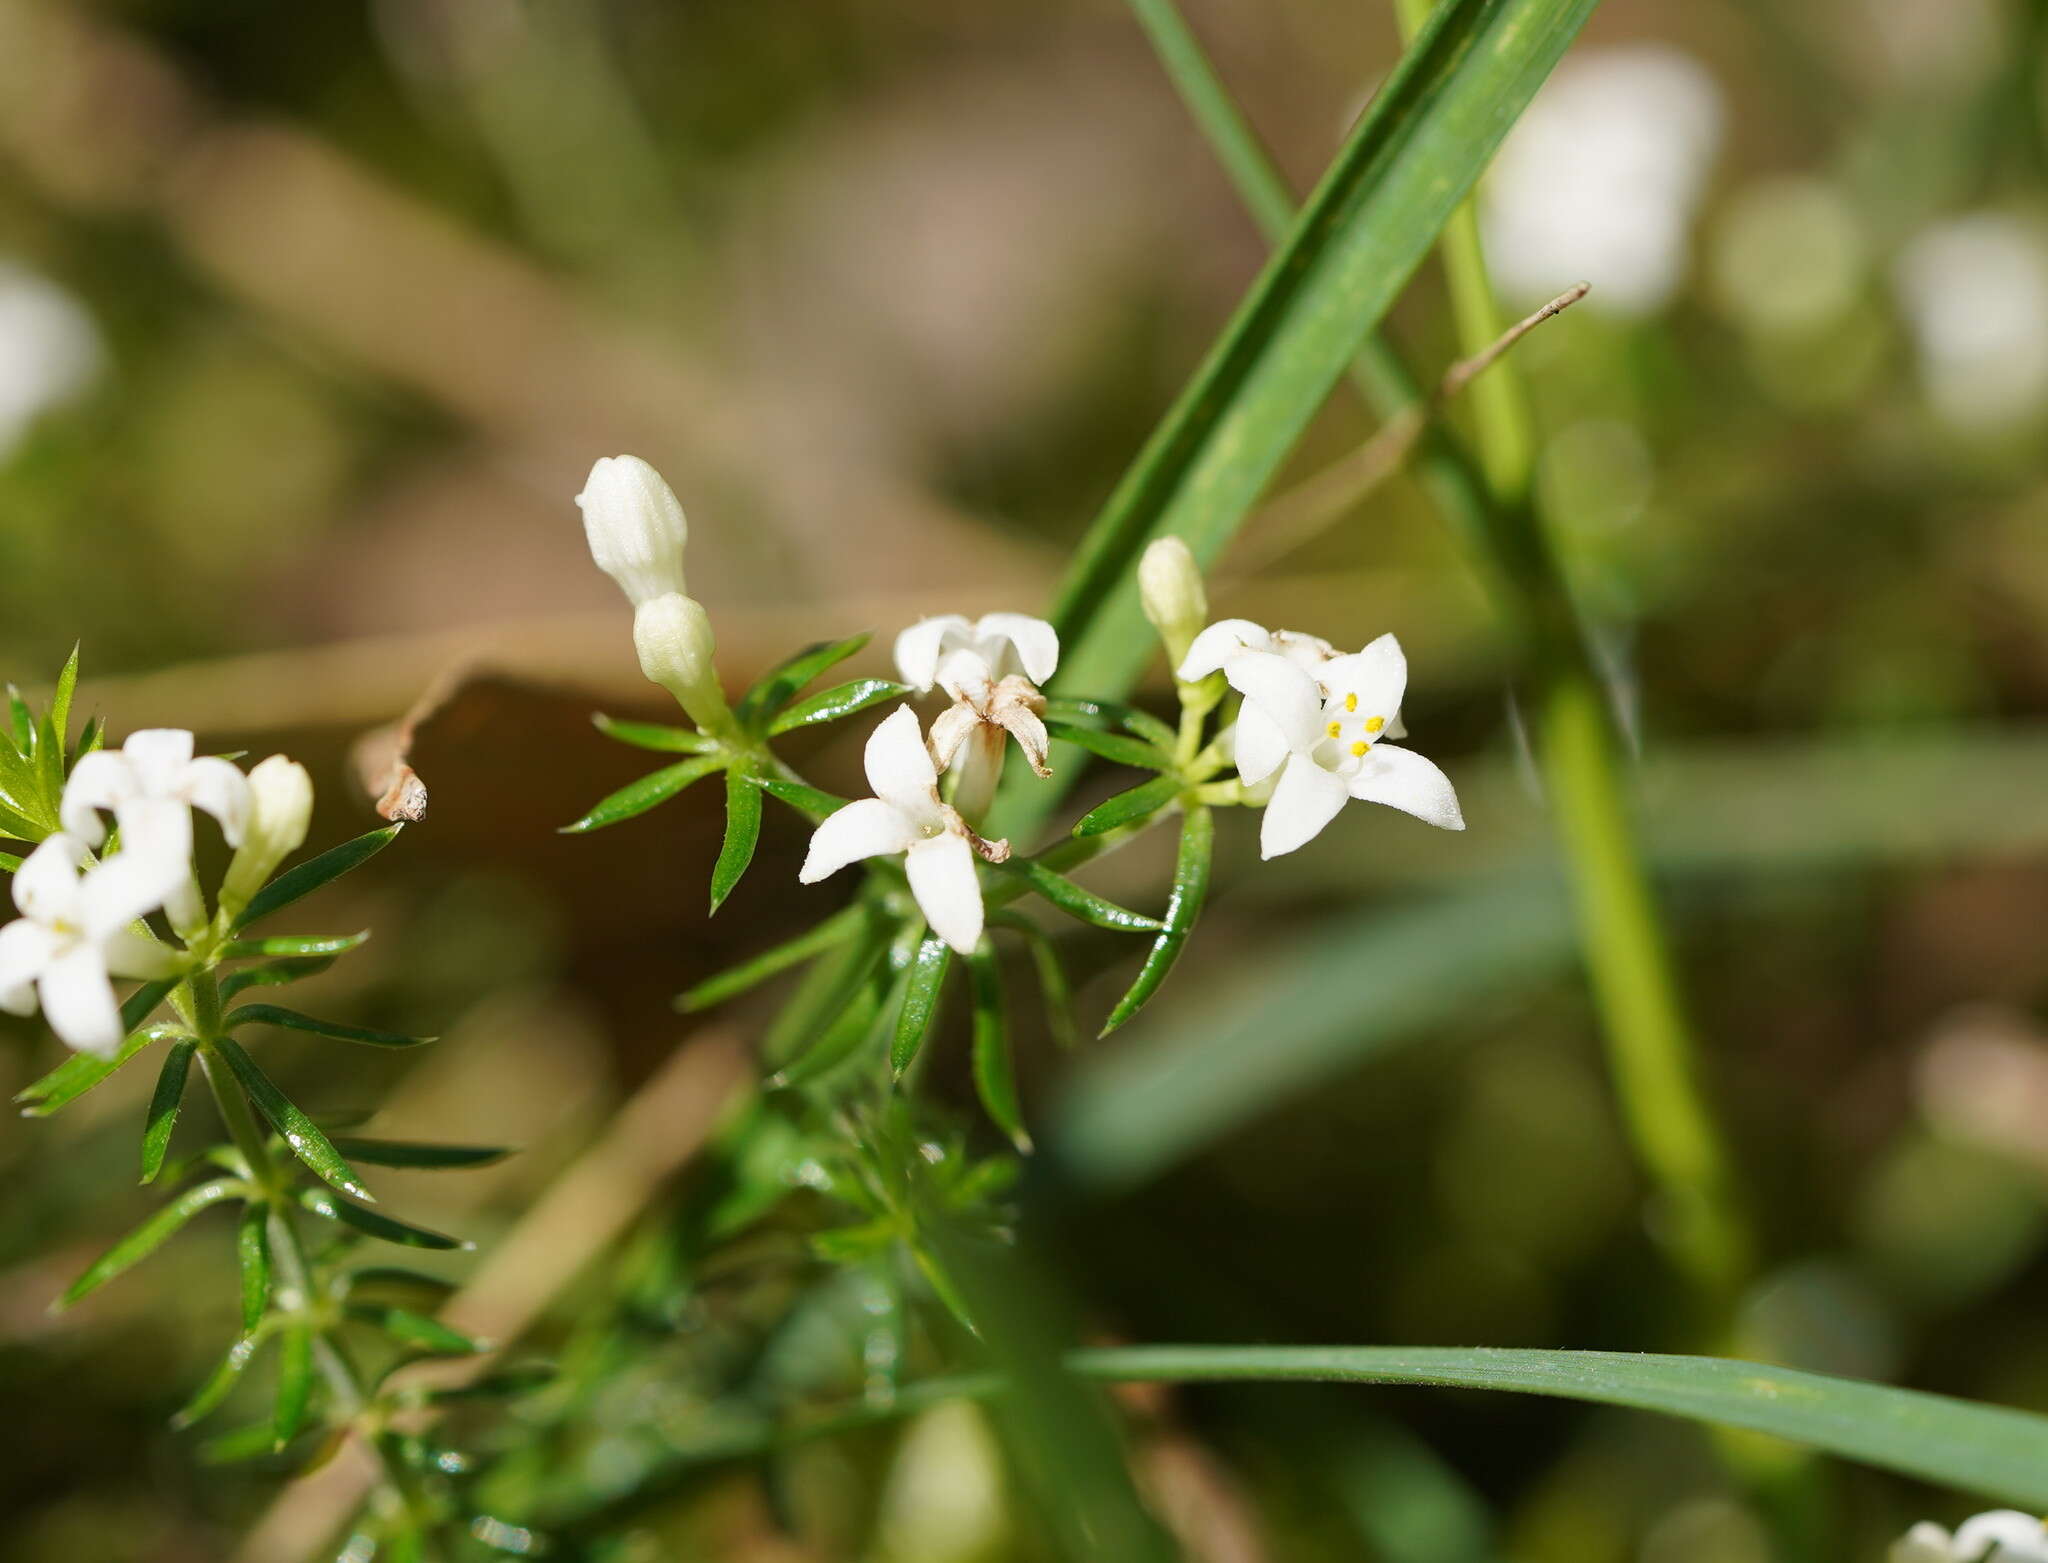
column 1987, row 1450
column 292, row 1020
column 300, row 1132
column 636, row 798
column 742, row 831
column 1190, row 889
column 151, row 1235
column 164, row 1103
column 310, row 875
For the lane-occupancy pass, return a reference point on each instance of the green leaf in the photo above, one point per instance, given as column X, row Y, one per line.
column 638, row 797
column 164, row 1105
column 1069, row 709
column 1190, row 889
column 849, row 1028
column 1070, row 898
column 1988, row 1450
column 374, row 1224
column 1052, row 977
column 297, row 883
column 60, row 706
column 244, row 1443
column 294, row 1382
column 841, row 700
column 995, row 1073
column 147, row 1238
column 390, row 1284
column 1143, row 799
column 782, row 682
column 813, row 804
column 142, row 1003
column 292, row 1020
column 300, row 1132
column 9, row 862
column 252, row 1257
column 21, row 723
column 652, row 735
column 520, row 1379
column 90, row 737
column 218, row 1383
column 836, row 929
column 1114, row 746
column 415, row 1331
column 295, row 944
column 925, row 979
column 80, row 1072
column 271, row 974
column 1410, row 161
column 742, row 831
column 420, row 1153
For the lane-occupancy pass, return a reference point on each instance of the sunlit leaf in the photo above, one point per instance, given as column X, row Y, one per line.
column 303, row 1135
column 781, row 683
column 637, row 797
column 207, row 1399
column 311, row 875
column 164, row 1105
column 419, row 1153
column 742, row 831
column 294, row 1382
column 1190, row 889
column 147, row 1238
column 375, row 1224
column 1070, row 898
column 652, row 735
column 842, row 700
column 1144, row 799
column 295, row 944
column 927, row 977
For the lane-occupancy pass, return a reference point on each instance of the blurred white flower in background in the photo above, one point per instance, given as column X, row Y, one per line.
column 1600, row 179
column 2001, row 1536
column 1975, row 292
column 50, row 350
column 1789, row 255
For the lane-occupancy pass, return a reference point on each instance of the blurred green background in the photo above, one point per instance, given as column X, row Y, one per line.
column 313, row 317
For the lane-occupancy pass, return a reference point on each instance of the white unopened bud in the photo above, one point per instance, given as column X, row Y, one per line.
column 672, row 633
column 1170, row 587
column 280, row 809
column 635, row 527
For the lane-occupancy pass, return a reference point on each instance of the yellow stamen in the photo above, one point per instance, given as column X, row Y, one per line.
column 1360, row 747
column 1351, row 702
column 1374, row 723
column 1336, row 728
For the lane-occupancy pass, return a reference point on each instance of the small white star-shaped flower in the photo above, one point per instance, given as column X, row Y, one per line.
column 1227, row 638
column 150, row 785
column 905, row 815
column 1321, row 737
column 958, row 654
column 74, row 934
column 2001, row 1536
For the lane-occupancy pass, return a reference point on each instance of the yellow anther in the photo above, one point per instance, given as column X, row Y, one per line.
column 1336, row 728
column 1351, row 702
column 1360, row 747
column 1374, row 723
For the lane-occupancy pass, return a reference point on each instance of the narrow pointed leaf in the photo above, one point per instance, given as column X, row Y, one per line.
column 995, row 1072
column 21, row 723
column 375, row 1224
column 927, row 978
column 303, row 1135
column 742, row 831
column 1142, row 724
column 272, row 974
column 1114, row 746
column 506, row 1382
column 1070, row 898
column 311, row 875
column 862, row 1019
column 244, row 1443
column 80, row 1072
column 1190, row 889
column 90, row 737
column 218, row 1383
column 164, row 1105
column 252, row 1257
column 390, row 1284
column 827, row 989
column 653, row 735
column 419, row 1153
column 782, row 682
column 292, row 1020
column 142, row 1003
column 836, row 929
column 810, row 802
column 1144, row 799
column 59, row 715
column 150, row 1236
column 9, row 862
column 294, row 1383
column 415, row 1330
column 1052, row 977
column 842, row 700
column 638, row 797
column 295, row 944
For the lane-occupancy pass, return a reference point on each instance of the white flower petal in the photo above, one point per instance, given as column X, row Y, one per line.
column 1304, row 651
column 159, row 828
column 1037, row 643
column 1306, row 799
column 900, row 768
column 100, row 780
column 129, row 954
column 868, row 828
column 129, row 885
column 1217, row 644
column 1404, row 780
column 949, row 731
column 966, row 674
column 1378, row 675
column 160, row 756
column 947, row 889
column 919, row 648
column 2016, row 1536
column 1283, row 691
column 1024, row 725
column 78, row 1001
column 25, row 949
column 1924, row 1543
column 46, row 884
column 219, row 787
column 1261, row 746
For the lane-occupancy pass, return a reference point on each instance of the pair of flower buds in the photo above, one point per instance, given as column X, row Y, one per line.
column 1311, row 733
column 81, row 920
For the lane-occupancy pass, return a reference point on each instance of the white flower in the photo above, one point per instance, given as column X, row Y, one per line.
column 50, row 350
column 150, row 785
column 2001, row 1536
column 1170, row 591
column 1975, row 290
column 957, row 654
column 635, row 526
column 672, row 634
column 73, row 932
column 280, row 808
column 1227, row 638
column 905, row 815
column 1321, row 734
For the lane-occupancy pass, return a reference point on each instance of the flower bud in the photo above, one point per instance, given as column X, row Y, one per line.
column 672, row 633
column 280, row 808
column 635, row 527
column 1170, row 587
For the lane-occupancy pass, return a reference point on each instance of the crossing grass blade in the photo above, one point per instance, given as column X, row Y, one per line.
column 310, row 875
